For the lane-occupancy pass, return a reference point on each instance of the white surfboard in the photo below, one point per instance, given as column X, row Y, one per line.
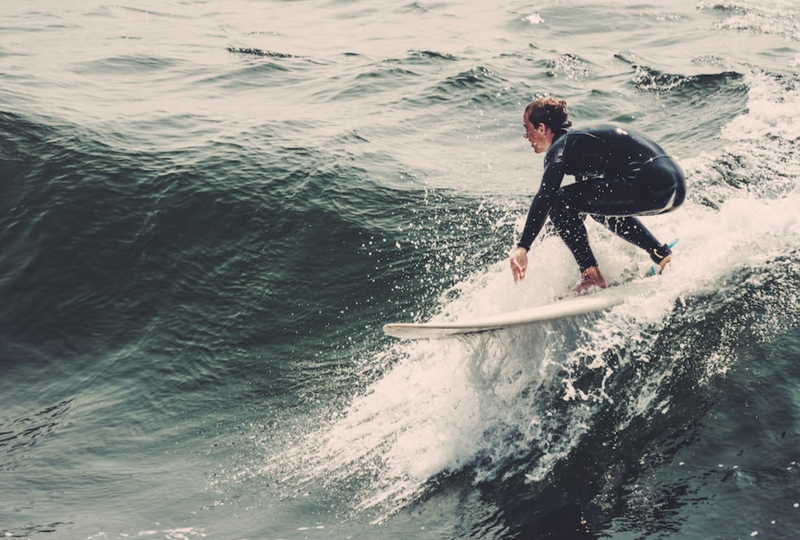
column 558, row 310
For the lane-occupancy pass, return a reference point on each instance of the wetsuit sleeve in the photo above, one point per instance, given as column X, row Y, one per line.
column 542, row 201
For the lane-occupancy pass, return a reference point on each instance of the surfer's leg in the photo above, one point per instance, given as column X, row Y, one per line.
column 571, row 228
column 632, row 230
column 657, row 188
column 569, row 224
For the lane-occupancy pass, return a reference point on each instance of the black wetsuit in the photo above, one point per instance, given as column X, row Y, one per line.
column 619, row 173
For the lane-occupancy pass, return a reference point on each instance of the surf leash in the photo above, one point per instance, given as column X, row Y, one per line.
column 653, row 271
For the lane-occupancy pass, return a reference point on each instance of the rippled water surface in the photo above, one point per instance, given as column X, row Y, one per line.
column 210, row 209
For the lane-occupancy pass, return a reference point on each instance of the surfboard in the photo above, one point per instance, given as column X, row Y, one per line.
column 571, row 307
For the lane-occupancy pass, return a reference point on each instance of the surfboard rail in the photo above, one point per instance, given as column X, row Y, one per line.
column 571, row 307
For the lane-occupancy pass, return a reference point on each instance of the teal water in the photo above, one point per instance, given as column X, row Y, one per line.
column 209, row 209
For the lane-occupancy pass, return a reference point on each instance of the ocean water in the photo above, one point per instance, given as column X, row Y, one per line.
column 210, row 208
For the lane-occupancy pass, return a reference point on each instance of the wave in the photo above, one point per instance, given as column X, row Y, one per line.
column 777, row 17
column 475, row 85
column 552, row 424
column 649, row 79
column 569, row 66
column 198, row 274
column 252, row 51
column 100, row 245
column 569, row 411
column 396, row 77
column 427, row 57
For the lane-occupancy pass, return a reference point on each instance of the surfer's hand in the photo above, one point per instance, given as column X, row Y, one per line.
column 519, row 263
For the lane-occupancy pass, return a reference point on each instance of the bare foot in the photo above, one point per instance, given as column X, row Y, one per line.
column 591, row 277
column 664, row 262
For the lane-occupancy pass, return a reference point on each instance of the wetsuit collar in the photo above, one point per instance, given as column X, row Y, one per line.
column 560, row 133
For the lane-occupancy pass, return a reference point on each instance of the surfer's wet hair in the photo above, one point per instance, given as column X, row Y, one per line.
column 549, row 111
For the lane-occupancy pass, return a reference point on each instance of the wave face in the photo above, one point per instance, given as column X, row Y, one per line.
column 210, row 209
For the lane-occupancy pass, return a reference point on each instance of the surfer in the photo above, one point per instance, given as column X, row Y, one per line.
column 619, row 174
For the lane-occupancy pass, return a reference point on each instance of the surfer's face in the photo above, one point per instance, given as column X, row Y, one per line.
column 536, row 136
